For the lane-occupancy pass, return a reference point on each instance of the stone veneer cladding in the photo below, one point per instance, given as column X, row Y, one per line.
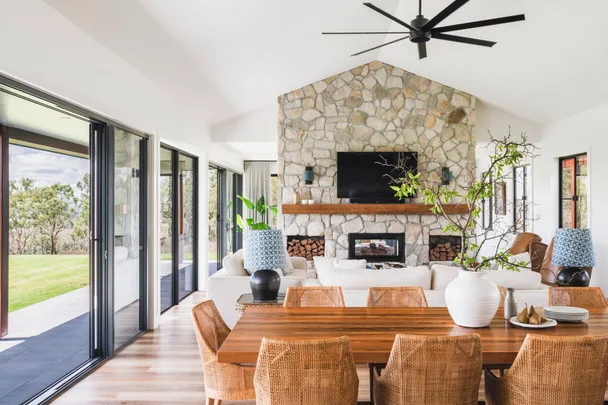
column 373, row 107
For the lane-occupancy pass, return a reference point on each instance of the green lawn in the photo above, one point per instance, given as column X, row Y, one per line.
column 35, row 278
column 187, row 256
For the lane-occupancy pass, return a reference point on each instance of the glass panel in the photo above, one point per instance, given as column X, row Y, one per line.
column 127, row 237
column 186, row 266
column 581, row 192
column 49, row 300
column 166, row 229
column 212, row 251
column 567, row 213
column 567, row 177
column 229, row 212
column 376, row 247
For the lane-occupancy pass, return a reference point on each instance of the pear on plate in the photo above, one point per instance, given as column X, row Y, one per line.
column 523, row 316
column 535, row 319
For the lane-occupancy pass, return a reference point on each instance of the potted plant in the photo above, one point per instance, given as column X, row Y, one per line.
column 264, row 250
column 472, row 298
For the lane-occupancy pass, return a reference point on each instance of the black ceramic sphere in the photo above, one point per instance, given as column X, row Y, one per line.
column 265, row 285
column 573, row 277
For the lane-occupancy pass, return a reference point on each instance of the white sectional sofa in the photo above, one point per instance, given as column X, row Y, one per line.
column 225, row 289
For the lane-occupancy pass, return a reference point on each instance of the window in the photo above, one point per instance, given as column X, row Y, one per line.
column 573, row 177
column 521, row 217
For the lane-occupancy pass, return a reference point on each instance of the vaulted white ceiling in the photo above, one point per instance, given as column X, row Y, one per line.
column 236, row 56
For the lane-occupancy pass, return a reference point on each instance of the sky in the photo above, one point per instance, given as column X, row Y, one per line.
column 45, row 168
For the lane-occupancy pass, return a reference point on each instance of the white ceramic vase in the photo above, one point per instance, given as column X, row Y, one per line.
column 472, row 299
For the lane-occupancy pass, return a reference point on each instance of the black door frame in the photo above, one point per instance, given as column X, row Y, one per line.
column 574, row 195
column 176, row 196
column 101, row 237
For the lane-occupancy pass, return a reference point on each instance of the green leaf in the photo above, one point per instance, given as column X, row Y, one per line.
column 274, row 210
column 239, row 222
column 229, row 205
column 247, row 202
column 395, row 188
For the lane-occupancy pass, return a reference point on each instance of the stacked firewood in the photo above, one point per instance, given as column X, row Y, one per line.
column 306, row 248
column 444, row 252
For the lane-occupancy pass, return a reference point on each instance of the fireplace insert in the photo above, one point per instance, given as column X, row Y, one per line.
column 377, row 247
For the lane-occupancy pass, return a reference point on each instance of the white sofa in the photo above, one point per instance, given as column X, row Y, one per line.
column 228, row 284
column 225, row 289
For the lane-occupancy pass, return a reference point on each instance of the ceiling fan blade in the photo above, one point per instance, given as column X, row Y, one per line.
column 482, row 23
column 362, row 33
column 380, row 46
column 387, row 15
column 421, row 50
column 446, row 12
column 464, row 40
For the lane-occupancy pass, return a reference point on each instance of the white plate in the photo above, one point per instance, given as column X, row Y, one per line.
column 549, row 324
column 567, row 311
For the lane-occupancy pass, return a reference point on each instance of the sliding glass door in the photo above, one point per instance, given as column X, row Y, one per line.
column 224, row 205
column 73, row 254
column 129, row 236
column 178, row 191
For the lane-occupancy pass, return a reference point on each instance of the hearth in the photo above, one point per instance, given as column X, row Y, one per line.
column 443, row 247
column 305, row 246
column 377, row 247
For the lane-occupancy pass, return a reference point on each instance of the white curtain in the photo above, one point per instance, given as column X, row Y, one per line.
column 256, row 183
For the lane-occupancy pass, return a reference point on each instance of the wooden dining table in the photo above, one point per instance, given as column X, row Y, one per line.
column 372, row 331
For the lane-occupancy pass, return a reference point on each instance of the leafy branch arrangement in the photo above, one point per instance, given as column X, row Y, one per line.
column 260, row 214
column 472, row 191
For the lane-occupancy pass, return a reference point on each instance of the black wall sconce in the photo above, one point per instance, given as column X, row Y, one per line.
column 446, row 176
column 308, row 175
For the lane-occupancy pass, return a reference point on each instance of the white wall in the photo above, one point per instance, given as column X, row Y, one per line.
column 581, row 133
column 44, row 49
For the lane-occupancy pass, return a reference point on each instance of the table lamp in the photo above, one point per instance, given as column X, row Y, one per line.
column 573, row 249
column 264, row 252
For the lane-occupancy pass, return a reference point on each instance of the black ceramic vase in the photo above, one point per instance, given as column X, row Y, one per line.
column 573, row 277
column 265, row 285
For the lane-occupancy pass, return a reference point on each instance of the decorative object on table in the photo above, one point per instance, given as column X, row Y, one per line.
column 566, row 314
column 246, row 301
column 264, row 253
column 573, row 249
column 260, row 215
column 500, row 198
column 308, row 175
column 473, row 299
column 311, row 201
column 530, row 318
column 510, row 305
column 297, row 198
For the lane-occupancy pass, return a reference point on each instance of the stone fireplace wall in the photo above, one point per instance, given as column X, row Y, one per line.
column 373, row 107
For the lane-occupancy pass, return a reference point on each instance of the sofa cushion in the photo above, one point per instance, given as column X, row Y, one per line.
column 350, row 264
column 288, row 269
column 363, row 279
column 519, row 280
column 234, row 264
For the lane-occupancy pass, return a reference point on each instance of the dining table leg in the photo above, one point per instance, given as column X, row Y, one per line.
column 371, row 383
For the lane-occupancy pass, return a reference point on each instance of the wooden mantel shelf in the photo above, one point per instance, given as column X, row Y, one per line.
column 367, row 209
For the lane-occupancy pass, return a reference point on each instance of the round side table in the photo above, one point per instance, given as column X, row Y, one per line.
column 246, row 300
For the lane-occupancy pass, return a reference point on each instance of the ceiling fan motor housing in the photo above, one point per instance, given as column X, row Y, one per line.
column 421, row 35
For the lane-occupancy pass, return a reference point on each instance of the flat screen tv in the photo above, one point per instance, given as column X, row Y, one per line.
column 363, row 180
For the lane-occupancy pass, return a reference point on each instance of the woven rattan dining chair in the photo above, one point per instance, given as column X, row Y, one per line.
column 585, row 297
column 223, row 381
column 314, row 297
column 553, row 370
column 430, row 370
column 395, row 297
column 306, row 372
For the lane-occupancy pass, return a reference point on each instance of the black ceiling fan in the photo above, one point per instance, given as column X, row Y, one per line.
column 422, row 30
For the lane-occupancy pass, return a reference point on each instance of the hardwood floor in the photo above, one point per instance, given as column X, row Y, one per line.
column 162, row 367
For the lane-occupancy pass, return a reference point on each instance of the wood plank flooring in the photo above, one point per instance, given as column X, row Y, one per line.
column 162, row 367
